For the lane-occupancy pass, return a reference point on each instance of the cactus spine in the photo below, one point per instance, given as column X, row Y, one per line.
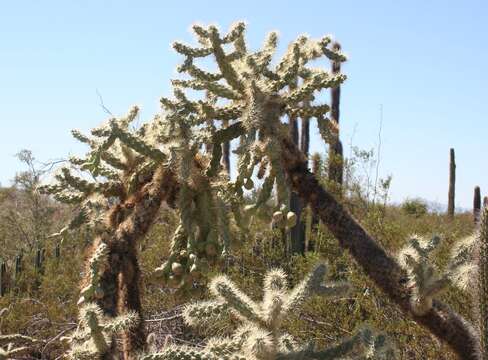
column 452, row 184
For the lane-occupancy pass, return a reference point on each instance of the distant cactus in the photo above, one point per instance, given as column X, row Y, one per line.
column 3, row 278
column 18, row 266
column 335, row 170
column 261, row 336
column 57, row 250
column 452, row 184
column 476, row 204
column 39, row 259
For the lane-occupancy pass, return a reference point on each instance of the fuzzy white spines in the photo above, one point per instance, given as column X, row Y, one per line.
column 424, row 278
column 93, row 290
column 248, row 88
column 464, row 262
column 261, row 336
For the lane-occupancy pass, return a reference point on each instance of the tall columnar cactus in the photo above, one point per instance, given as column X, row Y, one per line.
column 477, row 204
column 3, row 278
column 335, row 169
column 482, row 293
column 452, row 184
column 18, row 266
column 261, row 335
column 9, row 349
column 38, row 260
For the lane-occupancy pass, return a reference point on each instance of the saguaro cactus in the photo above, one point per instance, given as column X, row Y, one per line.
column 335, row 170
column 452, row 184
column 476, row 204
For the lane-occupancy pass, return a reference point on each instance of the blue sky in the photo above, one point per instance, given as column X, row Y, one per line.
column 424, row 61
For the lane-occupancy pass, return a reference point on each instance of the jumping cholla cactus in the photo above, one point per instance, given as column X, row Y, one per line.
column 93, row 337
column 261, row 337
column 8, row 349
column 121, row 183
column 425, row 280
column 128, row 182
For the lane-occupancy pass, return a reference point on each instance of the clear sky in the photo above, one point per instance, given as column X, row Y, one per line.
column 424, row 61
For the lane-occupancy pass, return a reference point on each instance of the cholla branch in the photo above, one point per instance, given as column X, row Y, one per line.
column 261, row 335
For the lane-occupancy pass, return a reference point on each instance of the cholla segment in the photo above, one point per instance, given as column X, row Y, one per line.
column 93, row 337
column 425, row 279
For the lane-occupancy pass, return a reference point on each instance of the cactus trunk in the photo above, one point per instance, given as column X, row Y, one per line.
column 452, row 184
column 120, row 279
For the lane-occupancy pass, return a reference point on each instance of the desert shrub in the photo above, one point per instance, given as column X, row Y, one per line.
column 415, row 207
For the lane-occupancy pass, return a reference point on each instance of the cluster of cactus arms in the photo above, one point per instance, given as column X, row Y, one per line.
column 93, row 337
column 261, row 335
column 254, row 96
column 9, row 349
